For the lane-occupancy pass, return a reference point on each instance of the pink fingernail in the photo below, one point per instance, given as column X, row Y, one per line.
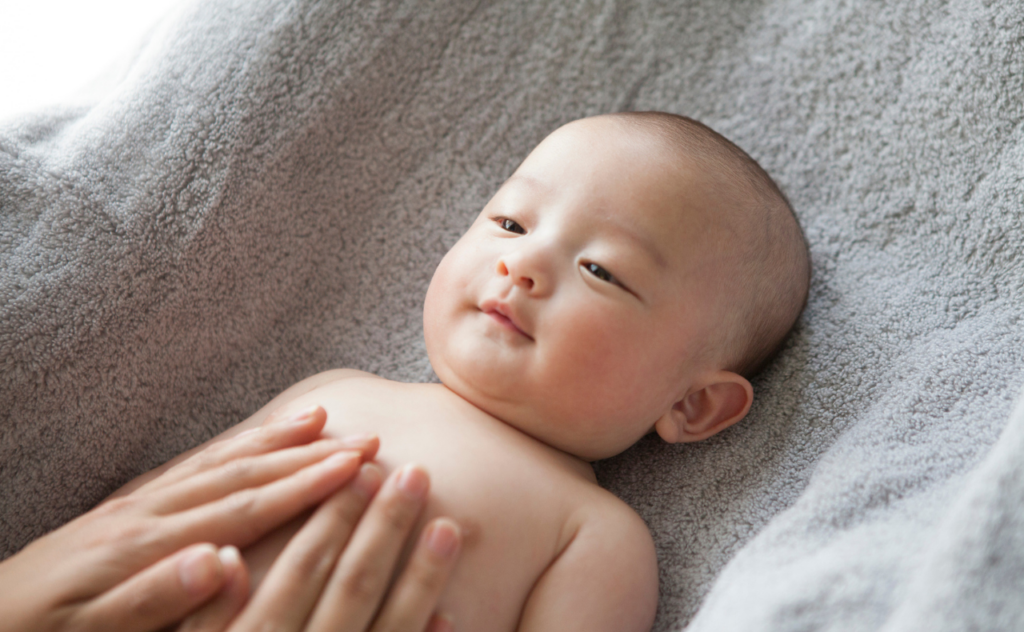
column 303, row 416
column 358, row 439
column 368, row 481
column 413, row 482
column 339, row 459
column 198, row 570
column 443, row 539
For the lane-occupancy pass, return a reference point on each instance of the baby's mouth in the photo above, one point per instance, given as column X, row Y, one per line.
column 503, row 316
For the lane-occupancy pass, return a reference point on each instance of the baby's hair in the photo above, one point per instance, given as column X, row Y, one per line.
column 776, row 265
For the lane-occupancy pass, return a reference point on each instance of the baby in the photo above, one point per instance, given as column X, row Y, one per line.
column 626, row 278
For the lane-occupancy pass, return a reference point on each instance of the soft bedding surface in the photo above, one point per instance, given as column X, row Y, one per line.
column 262, row 190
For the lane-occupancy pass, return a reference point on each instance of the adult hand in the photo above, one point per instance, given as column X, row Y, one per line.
column 334, row 572
column 148, row 559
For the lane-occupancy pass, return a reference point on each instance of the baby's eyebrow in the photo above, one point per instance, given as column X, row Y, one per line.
column 519, row 179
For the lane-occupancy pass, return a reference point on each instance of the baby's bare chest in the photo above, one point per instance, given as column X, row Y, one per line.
column 514, row 498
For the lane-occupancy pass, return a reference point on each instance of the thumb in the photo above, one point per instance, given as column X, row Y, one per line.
column 159, row 595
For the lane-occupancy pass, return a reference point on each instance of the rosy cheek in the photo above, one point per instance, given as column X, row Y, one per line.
column 592, row 347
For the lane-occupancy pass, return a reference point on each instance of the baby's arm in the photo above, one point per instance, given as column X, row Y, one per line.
column 605, row 579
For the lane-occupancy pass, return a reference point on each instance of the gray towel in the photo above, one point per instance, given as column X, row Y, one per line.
column 265, row 188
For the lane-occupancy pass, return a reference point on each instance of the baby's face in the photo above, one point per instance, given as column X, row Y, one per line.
column 578, row 305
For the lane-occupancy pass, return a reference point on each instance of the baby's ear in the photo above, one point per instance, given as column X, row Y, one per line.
column 715, row 404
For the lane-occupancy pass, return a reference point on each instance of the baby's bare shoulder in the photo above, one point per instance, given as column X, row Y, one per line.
column 601, row 516
column 606, row 578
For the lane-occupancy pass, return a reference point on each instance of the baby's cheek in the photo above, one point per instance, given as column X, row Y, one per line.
column 624, row 372
column 442, row 297
column 596, row 361
column 607, row 345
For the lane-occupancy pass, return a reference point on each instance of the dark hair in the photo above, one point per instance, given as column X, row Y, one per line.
column 776, row 265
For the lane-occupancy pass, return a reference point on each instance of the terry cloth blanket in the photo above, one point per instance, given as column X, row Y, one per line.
column 263, row 189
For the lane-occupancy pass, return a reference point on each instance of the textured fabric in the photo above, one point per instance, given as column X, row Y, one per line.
column 264, row 189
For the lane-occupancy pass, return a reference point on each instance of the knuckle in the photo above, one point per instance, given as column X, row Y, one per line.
column 397, row 514
column 203, row 461
column 208, row 458
column 238, row 470
column 311, row 561
column 429, row 577
column 361, row 584
column 347, row 510
column 118, row 505
column 143, row 605
column 242, row 502
column 126, row 534
column 244, row 507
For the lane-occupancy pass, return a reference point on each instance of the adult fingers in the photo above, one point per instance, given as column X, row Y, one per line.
column 362, row 574
column 244, row 516
column 156, row 596
column 414, row 597
column 291, row 589
column 217, row 613
column 129, row 539
column 297, row 429
column 252, row 471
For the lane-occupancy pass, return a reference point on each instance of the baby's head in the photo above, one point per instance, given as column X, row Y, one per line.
column 631, row 275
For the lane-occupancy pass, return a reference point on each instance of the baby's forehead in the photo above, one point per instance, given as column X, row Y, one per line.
column 605, row 156
column 627, row 175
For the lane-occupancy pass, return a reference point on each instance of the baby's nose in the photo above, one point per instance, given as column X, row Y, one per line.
column 520, row 279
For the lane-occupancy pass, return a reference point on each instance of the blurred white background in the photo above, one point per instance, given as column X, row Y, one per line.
column 51, row 48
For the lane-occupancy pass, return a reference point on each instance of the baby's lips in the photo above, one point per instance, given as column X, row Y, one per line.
column 506, row 313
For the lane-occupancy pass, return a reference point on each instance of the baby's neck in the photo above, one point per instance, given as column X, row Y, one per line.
column 577, row 463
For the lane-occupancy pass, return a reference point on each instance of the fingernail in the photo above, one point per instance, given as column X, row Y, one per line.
column 443, row 539
column 229, row 556
column 358, row 439
column 303, row 415
column 368, row 481
column 413, row 482
column 199, row 570
column 339, row 459
column 231, row 561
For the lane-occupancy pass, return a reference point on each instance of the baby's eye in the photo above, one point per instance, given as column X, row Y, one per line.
column 601, row 273
column 511, row 226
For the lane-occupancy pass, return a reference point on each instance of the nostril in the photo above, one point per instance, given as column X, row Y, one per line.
column 526, row 282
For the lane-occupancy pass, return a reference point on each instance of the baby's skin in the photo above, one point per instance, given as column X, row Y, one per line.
column 583, row 309
column 543, row 547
